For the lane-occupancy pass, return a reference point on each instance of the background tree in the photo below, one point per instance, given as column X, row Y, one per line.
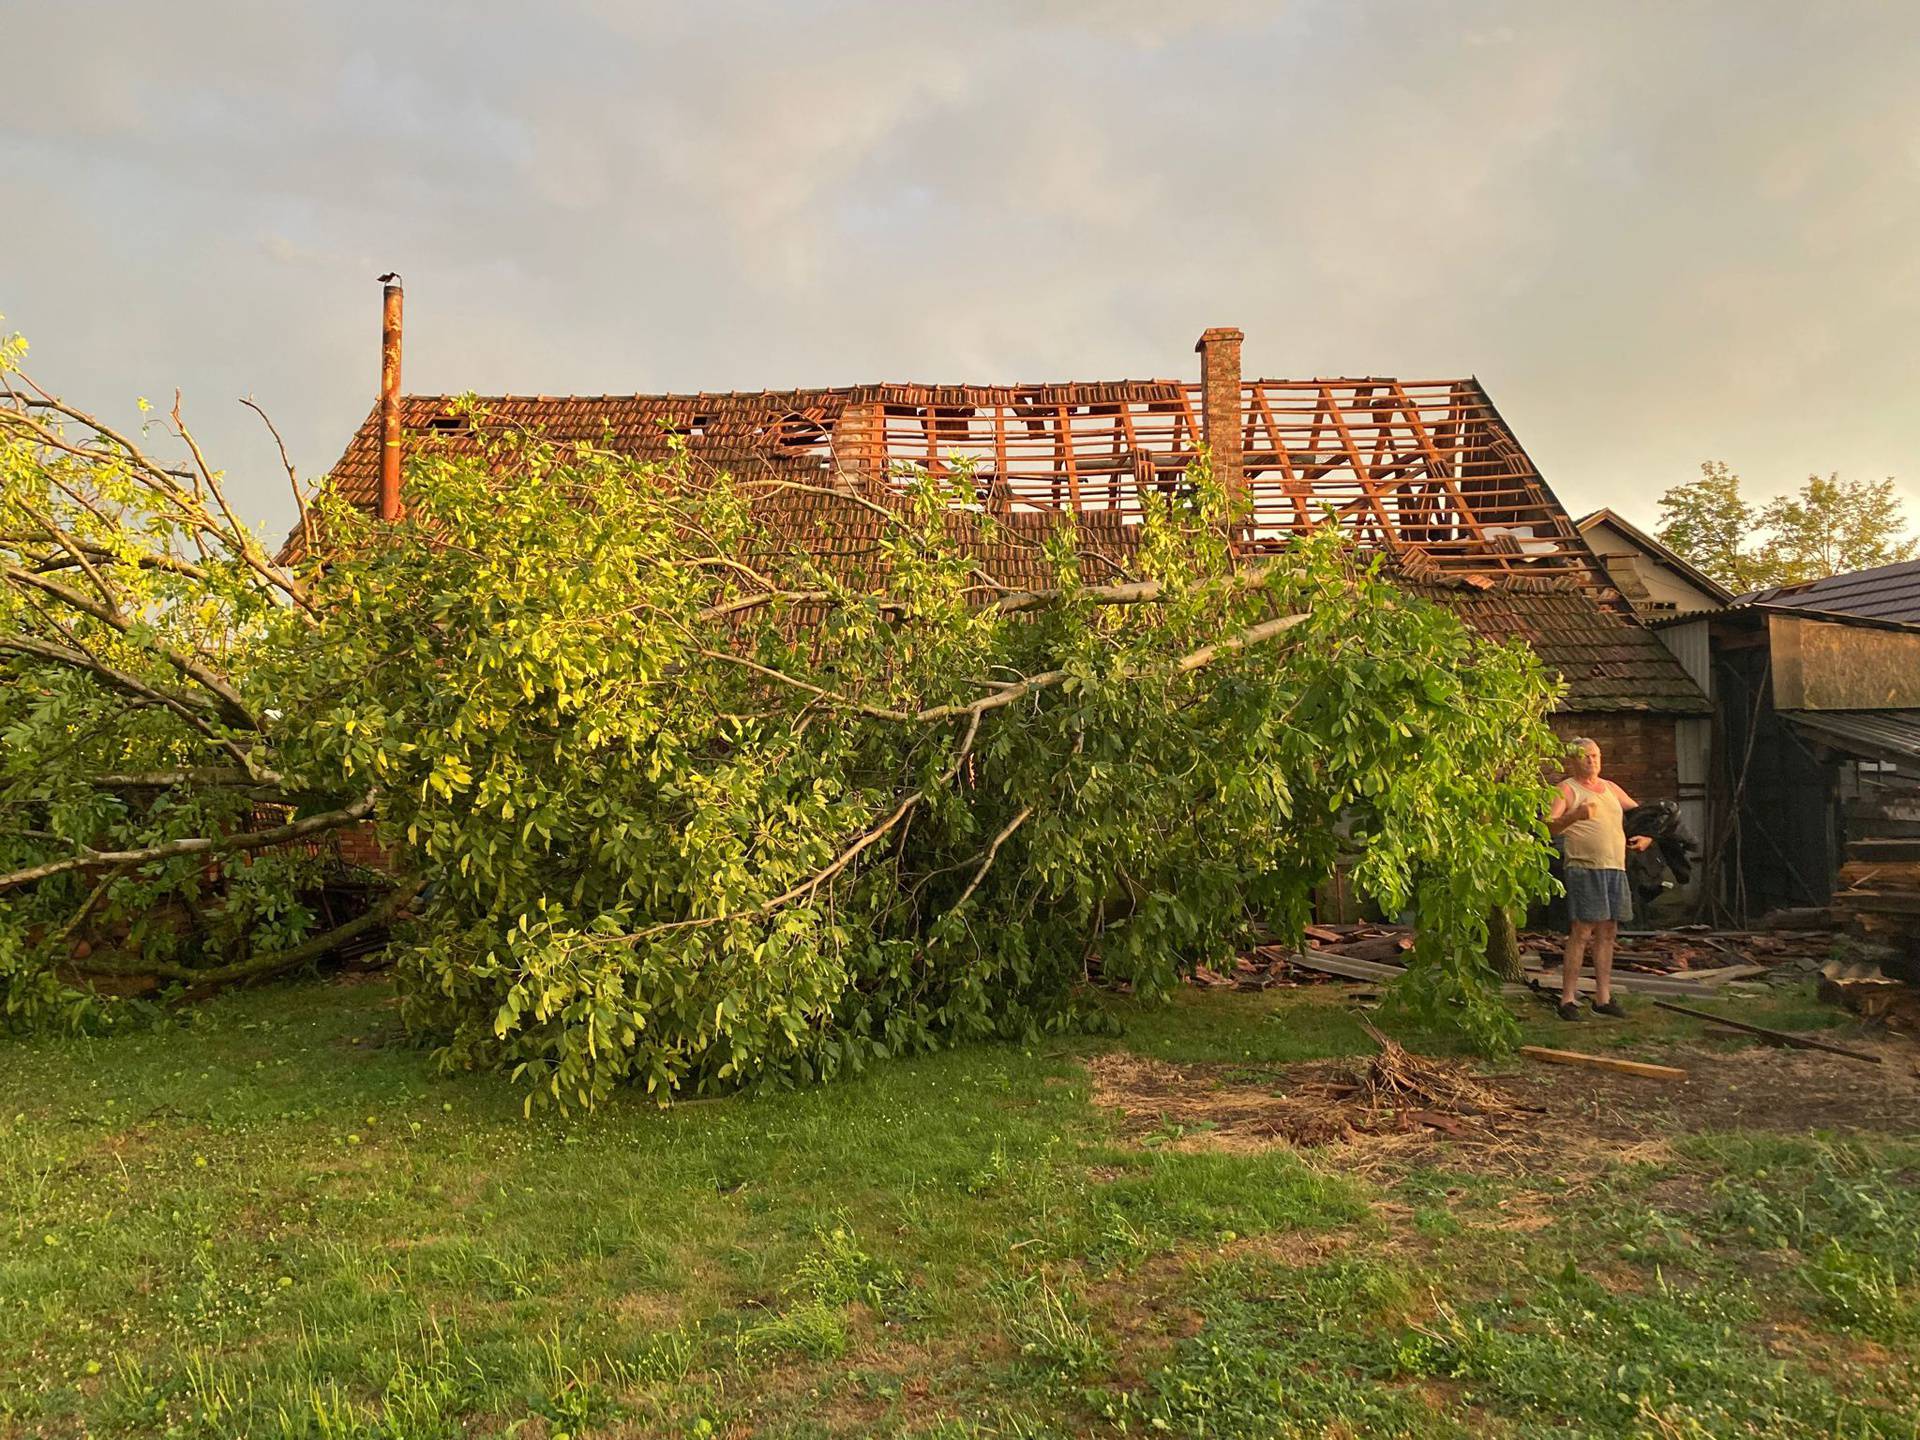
column 695, row 803
column 1829, row 527
column 1709, row 523
column 1836, row 525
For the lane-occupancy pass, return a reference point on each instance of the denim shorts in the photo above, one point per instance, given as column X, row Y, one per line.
column 1598, row 894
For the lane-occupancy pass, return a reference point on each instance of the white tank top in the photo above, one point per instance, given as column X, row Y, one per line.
column 1598, row 842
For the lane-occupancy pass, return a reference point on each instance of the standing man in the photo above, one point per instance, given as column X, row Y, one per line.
column 1587, row 819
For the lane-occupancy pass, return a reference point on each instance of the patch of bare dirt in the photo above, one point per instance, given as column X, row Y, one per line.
column 1197, row 1106
column 908, row 1385
column 1398, row 1110
column 1146, row 1312
column 1761, row 1087
column 1392, row 1094
column 1294, row 1249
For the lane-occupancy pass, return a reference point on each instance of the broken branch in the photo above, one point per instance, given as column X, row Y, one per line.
column 260, row 967
column 986, row 861
column 194, row 845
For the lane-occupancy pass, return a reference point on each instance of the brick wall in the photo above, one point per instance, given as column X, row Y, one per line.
column 1637, row 752
column 358, row 845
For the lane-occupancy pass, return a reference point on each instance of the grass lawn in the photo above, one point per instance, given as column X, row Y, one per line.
column 274, row 1219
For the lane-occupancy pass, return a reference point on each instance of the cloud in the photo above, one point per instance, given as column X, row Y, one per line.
column 1659, row 235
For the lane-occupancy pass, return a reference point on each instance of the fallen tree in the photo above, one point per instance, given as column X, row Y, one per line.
column 700, row 792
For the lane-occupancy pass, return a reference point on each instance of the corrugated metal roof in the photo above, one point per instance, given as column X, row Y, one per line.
column 1886, row 592
column 1874, row 734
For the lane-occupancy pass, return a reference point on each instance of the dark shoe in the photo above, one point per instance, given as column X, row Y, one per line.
column 1613, row 1008
column 1569, row 1011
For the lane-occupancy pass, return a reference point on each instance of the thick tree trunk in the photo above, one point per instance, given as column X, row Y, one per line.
column 1503, row 944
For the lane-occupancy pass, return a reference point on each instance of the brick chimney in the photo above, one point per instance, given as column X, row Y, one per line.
column 1219, row 351
column 390, row 398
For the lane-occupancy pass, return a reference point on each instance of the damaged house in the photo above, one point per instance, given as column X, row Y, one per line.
column 1424, row 472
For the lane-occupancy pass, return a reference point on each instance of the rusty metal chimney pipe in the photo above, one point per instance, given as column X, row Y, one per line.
column 390, row 398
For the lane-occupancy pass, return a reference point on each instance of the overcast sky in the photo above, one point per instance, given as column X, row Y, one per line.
column 1658, row 233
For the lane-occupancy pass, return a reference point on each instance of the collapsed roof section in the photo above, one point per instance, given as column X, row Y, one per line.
column 1423, row 472
column 1406, row 467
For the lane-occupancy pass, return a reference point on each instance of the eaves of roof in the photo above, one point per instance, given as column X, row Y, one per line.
column 1886, row 592
column 1685, row 569
column 1892, row 735
column 1759, row 609
column 1609, row 662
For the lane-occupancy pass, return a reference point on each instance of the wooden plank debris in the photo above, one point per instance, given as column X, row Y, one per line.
column 1723, row 974
column 1347, row 967
column 1689, row 949
column 1683, row 951
column 1682, row 961
column 1381, row 949
column 1632, row 983
column 1778, row 1037
column 1885, row 849
column 1891, row 902
column 1603, row 1062
column 1343, row 966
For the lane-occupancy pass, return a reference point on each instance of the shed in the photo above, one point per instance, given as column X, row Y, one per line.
column 1814, row 787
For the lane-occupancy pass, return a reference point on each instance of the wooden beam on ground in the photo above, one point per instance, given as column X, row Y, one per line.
column 1778, row 1037
column 1632, row 982
column 1885, row 902
column 1347, row 969
column 1718, row 976
column 1603, row 1062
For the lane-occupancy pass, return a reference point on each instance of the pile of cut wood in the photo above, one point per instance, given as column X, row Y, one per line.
column 1878, row 888
column 1377, row 951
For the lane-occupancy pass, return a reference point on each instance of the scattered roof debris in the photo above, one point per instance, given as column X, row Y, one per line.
column 1688, row 960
